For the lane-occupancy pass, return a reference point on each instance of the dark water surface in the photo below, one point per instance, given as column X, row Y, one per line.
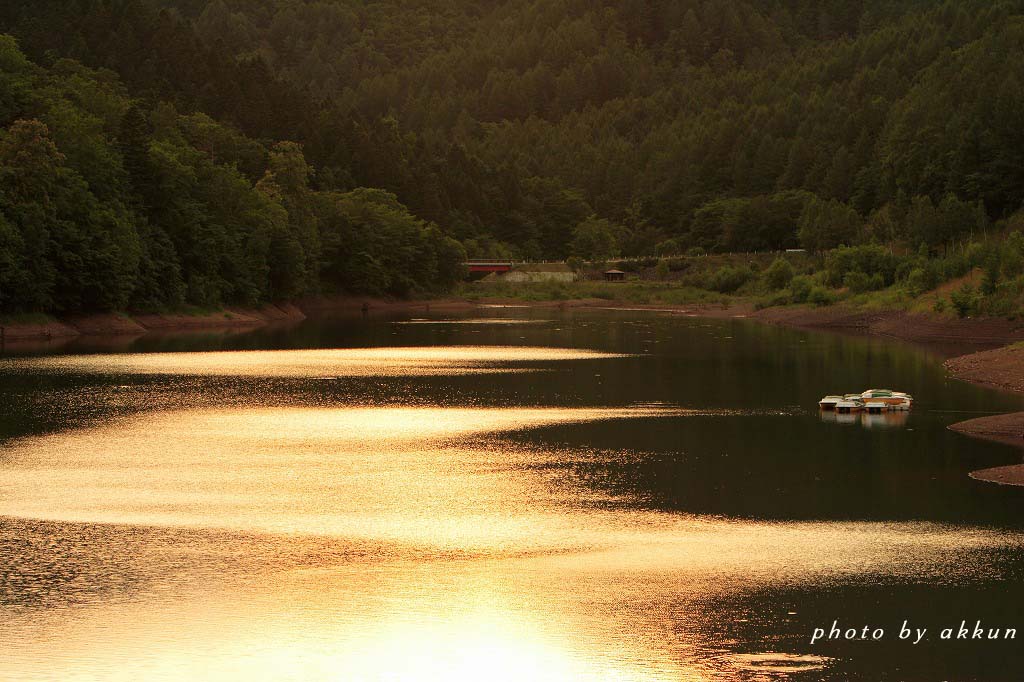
column 513, row 494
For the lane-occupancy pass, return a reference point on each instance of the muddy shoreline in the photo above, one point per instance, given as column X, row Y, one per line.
column 121, row 324
column 1001, row 369
column 139, row 324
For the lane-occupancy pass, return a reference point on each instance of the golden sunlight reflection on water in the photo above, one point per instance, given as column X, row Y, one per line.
column 392, row 544
column 413, row 361
column 439, row 478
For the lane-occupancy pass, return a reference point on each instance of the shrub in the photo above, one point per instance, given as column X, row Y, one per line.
column 661, row 270
column 940, row 305
column 956, row 265
column 1013, row 262
column 991, row 279
column 779, row 274
column 918, row 282
column 869, row 259
column 819, row 296
column 776, row 299
column 963, row 299
column 976, row 254
column 696, row 251
column 1000, row 307
column 728, row 279
column 575, row 262
column 800, row 288
column 678, row 264
column 857, row 282
column 904, row 269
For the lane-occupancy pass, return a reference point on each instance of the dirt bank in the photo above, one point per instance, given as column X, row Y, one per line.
column 1008, row 475
column 1001, row 368
column 119, row 324
column 1002, row 428
column 44, row 328
column 41, row 329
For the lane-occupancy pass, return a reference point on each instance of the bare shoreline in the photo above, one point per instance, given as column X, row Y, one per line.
column 139, row 324
column 1003, row 369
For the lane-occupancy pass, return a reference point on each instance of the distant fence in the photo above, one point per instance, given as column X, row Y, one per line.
column 489, row 265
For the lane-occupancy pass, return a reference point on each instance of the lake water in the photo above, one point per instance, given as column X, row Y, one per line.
column 507, row 494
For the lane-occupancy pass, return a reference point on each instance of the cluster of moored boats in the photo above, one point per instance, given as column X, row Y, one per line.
column 871, row 401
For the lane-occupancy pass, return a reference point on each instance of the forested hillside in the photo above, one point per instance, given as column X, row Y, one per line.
column 535, row 128
column 107, row 202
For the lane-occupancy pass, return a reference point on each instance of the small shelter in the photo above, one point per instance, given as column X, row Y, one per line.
column 614, row 275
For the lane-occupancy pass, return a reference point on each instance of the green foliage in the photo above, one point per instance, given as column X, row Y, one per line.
column 485, row 247
column 670, row 247
column 857, row 282
column 106, row 205
column 687, row 127
column 661, row 270
column 779, row 274
column 759, row 223
column 1013, row 255
column 964, row 300
column 594, row 240
column 800, row 288
column 819, row 296
column 728, row 125
column 932, row 225
column 401, row 256
column 868, row 260
column 991, row 278
column 728, row 279
column 827, row 224
column 778, row 298
column 918, row 281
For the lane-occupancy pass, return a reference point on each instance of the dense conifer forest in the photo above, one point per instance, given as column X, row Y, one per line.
column 161, row 152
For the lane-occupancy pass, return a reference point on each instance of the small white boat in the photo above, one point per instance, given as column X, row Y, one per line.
column 828, row 403
column 876, row 406
column 906, row 403
column 849, row 406
column 888, row 397
column 875, row 401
